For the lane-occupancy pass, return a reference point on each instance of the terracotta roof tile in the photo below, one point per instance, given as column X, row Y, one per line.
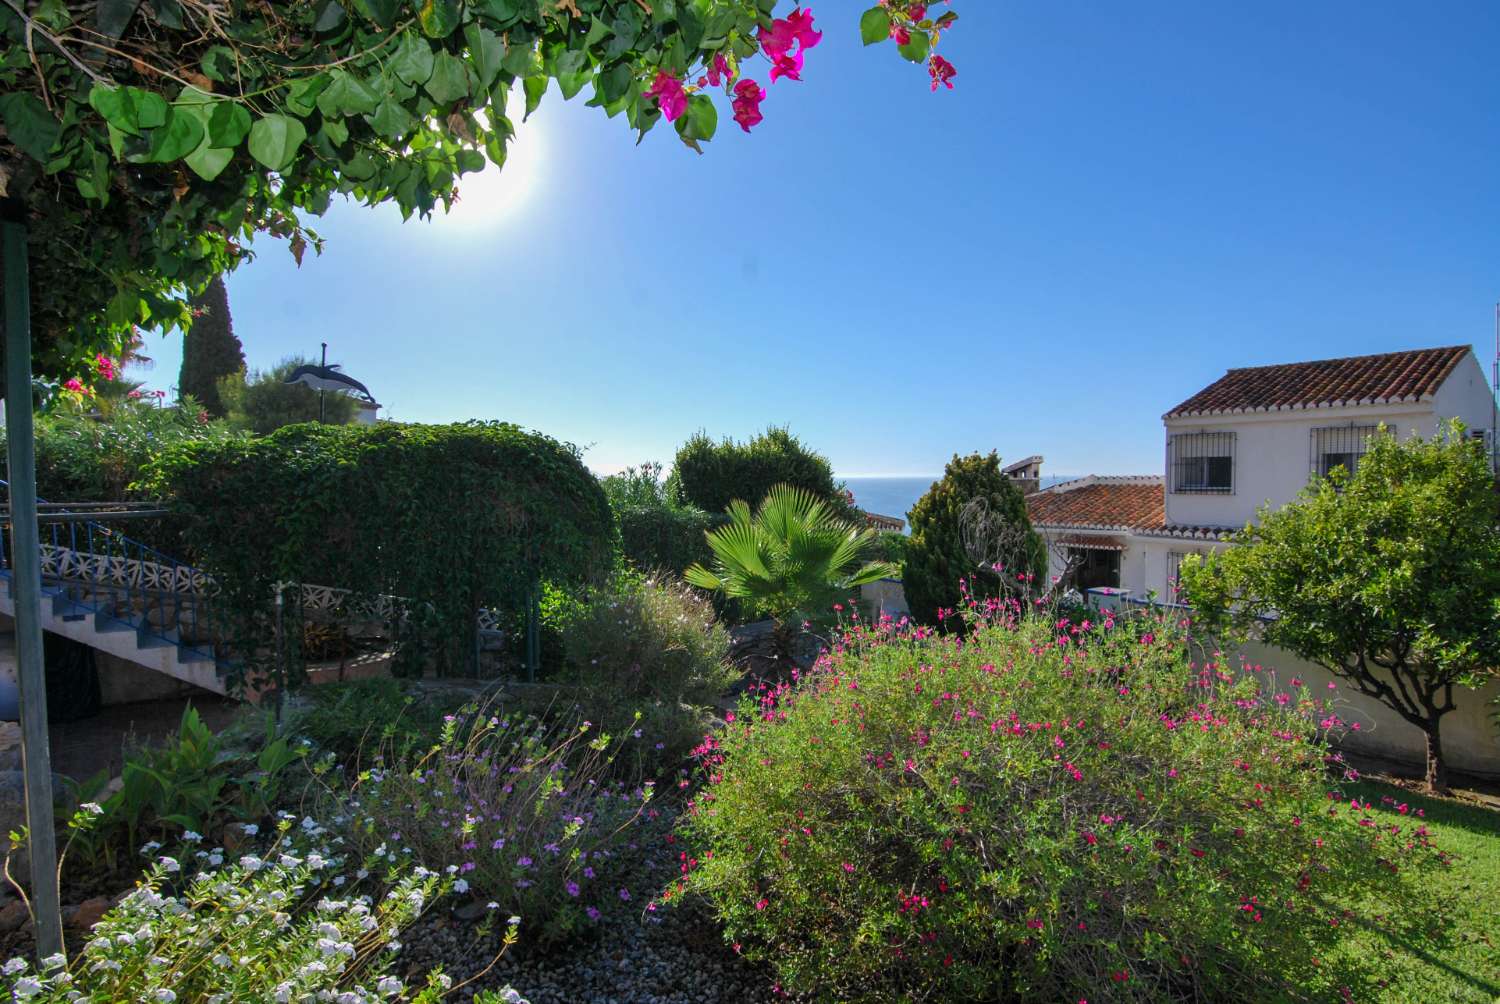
column 1100, row 502
column 1391, row 376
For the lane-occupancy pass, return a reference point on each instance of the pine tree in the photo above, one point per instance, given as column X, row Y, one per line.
column 210, row 351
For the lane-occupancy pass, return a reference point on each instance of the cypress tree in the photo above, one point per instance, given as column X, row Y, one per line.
column 210, row 351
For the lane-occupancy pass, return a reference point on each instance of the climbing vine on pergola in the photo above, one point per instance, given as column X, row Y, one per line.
column 151, row 140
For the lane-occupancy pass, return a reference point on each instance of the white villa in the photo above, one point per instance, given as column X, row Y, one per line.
column 1251, row 437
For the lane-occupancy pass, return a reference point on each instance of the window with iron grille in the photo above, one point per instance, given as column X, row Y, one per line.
column 1340, row 446
column 1203, row 463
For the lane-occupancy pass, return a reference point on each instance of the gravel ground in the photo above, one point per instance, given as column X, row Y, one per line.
column 674, row 957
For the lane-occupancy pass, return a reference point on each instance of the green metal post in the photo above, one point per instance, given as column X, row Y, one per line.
column 36, row 758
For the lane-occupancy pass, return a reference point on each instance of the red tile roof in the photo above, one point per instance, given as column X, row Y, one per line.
column 1379, row 379
column 1100, row 503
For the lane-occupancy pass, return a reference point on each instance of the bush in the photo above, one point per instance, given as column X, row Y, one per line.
column 711, row 475
column 657, row 533
column 892, row 546
column 197, row 781
column 285, row 924
column 80, row 458
column 522, row 812
column 936, row 558
column 1041, row 812
column 359, row 719
column 651, row 646
column 450, row 518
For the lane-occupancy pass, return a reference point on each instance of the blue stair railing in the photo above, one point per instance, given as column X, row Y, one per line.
column 93, row 570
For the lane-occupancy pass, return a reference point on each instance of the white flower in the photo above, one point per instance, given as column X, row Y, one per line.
column 514, row 921
column 16, row 965
column 389, row 986
column 309, row 824
column 165, row 996
column 54, row 960
column 460, row 886
column 170, row 865
column 189, row 837
column 251, row 863
column 92, row 808
column 150, row 847
column 251, row 829
column 27, row 987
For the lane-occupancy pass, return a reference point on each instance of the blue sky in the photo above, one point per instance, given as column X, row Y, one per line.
column 1117, row 203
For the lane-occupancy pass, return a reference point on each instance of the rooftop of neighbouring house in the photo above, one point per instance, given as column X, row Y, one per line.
column 1100, row 502
column 1389, row 377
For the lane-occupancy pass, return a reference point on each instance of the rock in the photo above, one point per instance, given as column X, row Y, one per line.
column 471, row 911
column 88, row 913
column 13, row 915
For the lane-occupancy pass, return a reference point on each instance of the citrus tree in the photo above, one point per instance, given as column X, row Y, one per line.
column 1389, row 578
column 149, row 141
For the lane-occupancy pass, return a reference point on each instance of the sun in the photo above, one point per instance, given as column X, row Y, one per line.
column 492, row 197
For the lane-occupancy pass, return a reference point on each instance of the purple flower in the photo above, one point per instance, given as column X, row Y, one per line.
column 625, row 895
column 593, row 913
column 524, row 861
column 588, row 872
column 498, row 844
column 572, row 888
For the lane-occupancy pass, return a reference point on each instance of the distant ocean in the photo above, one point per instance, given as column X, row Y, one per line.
column 896, row 496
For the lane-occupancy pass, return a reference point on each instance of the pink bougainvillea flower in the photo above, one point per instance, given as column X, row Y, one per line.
column 900, row 35
column 917, row 11
column 787, row 65
column 941, row 71
column 747, row 98
column 719, row 71
column 795, row 31
column 75, row 385
column 669, row 95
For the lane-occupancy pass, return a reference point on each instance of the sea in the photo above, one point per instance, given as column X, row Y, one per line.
column 894, row 496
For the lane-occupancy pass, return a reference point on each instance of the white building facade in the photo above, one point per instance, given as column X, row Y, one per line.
column 1254, row 437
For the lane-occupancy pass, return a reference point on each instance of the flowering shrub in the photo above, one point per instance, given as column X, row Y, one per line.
column 285, row 924
column 521, row 814
column 1043, row 810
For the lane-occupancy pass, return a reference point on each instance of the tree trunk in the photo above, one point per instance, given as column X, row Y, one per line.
column 1437, row 769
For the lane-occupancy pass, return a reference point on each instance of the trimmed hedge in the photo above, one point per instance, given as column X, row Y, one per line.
column 451, row 517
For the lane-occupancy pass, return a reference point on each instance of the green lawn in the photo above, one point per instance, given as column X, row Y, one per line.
column 1452, row 953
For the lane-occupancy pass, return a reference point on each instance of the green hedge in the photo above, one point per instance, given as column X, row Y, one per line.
column 451, row 517
column 710, row 474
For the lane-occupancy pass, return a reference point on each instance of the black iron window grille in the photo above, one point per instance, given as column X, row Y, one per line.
column 1203, row 463
column 1340, row 446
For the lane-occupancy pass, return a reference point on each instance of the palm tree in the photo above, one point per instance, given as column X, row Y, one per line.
column 790, row 560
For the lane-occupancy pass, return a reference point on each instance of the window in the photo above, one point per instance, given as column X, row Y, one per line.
column 1340, row 446
column 1203, row 463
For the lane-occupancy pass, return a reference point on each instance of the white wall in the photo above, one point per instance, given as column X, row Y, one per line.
column 1466, row 395
column 1272, row 456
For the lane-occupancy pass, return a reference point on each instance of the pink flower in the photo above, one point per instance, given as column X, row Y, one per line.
column 761, row 904
column 793, row 31
column 900, row 35
column 917, row 11
column 719, row 71
column 669, row 95
column 942, row 72
column 133, row 395
column 747, row 98
column 75, row 385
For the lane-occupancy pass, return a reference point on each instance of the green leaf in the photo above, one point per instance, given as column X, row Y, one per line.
column 168, row 12
column 448, row 82
column 129, row 109
column 274, row 140
column 520, row 61
column 500, row 10
column 330, row 16
column 413, row 60
column 176, row 139
column 916, row 50
column 486, row 52
column 392, row 120
column 92, row 177
column 382, row 12
column 336, row 130
column 875, row 25
column 535, row 88
column 702, row 118
column 438, row 18
column 228, row 124
column 29, row 124
column 113, row 17
column 571, row 83
column 208, row 162
column 302, row 95
column 347, row 95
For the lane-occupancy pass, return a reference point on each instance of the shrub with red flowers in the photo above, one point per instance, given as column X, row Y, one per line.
column 1039, row 810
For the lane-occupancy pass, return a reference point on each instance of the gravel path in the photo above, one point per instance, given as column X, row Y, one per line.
column 674, row 957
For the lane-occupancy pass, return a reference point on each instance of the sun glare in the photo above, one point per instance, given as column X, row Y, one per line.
column 492, row 197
